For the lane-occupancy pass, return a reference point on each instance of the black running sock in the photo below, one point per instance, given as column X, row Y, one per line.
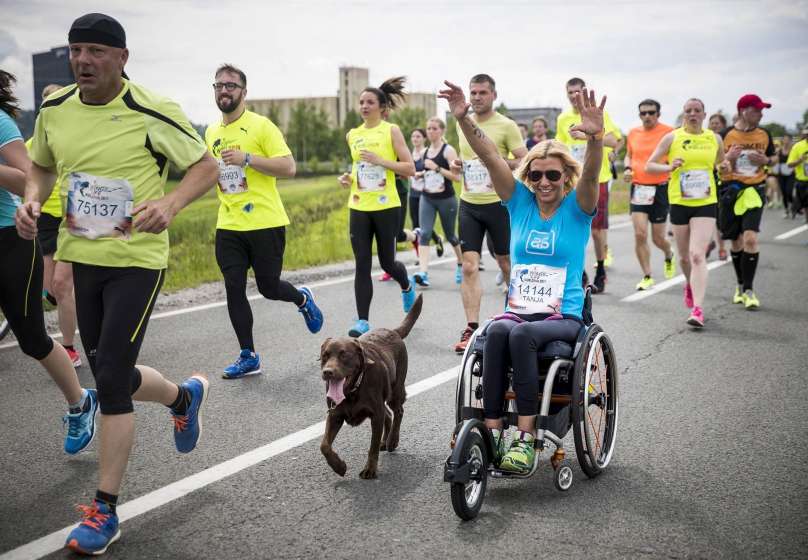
column 180, row 404
column 736, row 262
column 600, row 270
column 749, row 266
column 474, row 326
column 110, row 499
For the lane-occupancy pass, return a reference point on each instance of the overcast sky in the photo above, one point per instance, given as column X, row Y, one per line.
column 629, row 49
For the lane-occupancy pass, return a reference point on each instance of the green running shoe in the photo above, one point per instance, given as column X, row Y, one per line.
column 645, row 284
column 521, row 455
column 499, row 445
column 750, row 300
column 738, row 297
column 670, row 268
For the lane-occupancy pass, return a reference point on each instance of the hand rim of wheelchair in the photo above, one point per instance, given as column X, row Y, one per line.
column 4, row 327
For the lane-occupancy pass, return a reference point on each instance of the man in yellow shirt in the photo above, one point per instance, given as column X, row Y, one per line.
column 251, row 228
column 798, row 161
column 576, row 142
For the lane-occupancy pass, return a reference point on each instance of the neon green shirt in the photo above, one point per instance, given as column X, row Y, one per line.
column 373, row 187
column 797, row 150
column 693, row 184
column 568, row 119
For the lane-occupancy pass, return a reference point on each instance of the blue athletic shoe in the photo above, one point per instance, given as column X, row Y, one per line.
column 359, row 328
column 459, row 274
column 408, row 297
column 247, row 363
column 311, row 313
column 81, row 425
column 188, row 426
column 422, row 279
column 96, row 532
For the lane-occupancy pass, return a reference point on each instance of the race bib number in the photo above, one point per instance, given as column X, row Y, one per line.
column 433, row 182
column 231, row 178
column 476, row 178
column 536, row 288
column 643, row 195
column 578, row 152
column 370, row 177
column 744, row 167
column 695, row 184
column 417, row 184
column 99, row 206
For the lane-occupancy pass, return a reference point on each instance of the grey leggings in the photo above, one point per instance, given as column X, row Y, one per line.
column 447, row 208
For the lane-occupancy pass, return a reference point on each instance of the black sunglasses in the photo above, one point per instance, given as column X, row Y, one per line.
column 229, row 86
column 536, row 176
column 646, row 113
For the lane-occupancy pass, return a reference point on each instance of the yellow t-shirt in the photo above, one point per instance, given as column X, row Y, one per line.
column 249, row 200
column 797, row 150
column 110, row 158
column 568, row 119
column 693, row 184
column 373, row 187
column 504, row 133
column 53, row 205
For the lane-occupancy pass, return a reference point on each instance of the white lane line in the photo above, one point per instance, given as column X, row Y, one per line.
column 621, row 225
column 792, row 232
column 162, row 496
column 637, row 296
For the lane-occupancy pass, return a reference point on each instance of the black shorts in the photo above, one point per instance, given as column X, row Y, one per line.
column 477, row 219
column 800, row 195
column 47, row 232
column 658, row 210
column 681, row 215
column 259, row 249
column 731, row 225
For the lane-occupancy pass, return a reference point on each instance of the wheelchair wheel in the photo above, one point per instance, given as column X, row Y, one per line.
column 595, row 402
column 467, row 498
column 469, row 369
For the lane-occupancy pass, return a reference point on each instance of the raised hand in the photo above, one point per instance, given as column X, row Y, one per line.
column 591, row 113
column 456, row 98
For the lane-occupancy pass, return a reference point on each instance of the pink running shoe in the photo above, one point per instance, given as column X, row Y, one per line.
column 385, row 277
column 696, row 318
column 688, row 296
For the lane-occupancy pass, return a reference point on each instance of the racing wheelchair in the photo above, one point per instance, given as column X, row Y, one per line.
column 579, row 390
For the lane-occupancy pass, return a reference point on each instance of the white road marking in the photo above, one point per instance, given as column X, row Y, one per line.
column 792, row 232
column 162, row 496
column 621, row 225
column 637, row 296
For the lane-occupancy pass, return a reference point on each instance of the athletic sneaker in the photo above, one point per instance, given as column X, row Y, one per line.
column 460, row 347
column 750, row 300
column 385, row 277
column 311, row 313
column 607, row 262
column 417, row 241
column 81, row 425
column 459, row 274
column 670, row 268
column 96, row 532
column 499, row 280
column 481, row 266
column 74, row 357
column 421, row 278
column 688, row 296
column 696, row 318
column 408, row 296
column 738, row 297
column 599, row 284
column 499, row 445
column 521, row 455
column 360, row 327
column 439, row 245
column 247, row 363
column 188, row 426
column 645, row 284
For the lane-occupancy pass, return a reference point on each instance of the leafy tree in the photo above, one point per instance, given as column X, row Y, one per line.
column 408, row 119
column 309, row 134
column 352, row 120
column 777, row 130
column 502, row 109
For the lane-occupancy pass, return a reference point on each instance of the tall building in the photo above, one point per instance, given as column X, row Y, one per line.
column 526, row 115
column 51, row 67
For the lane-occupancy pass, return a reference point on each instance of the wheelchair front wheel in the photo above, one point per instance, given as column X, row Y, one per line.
column 467, row 498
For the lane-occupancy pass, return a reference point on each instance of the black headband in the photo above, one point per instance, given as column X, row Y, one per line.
column 97, row 28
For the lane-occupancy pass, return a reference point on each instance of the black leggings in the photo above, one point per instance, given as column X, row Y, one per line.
column 113, row 306
column 364, row 226
column 21, row 272
column 786, row 183
column 510, row 343
column 415, row 218
column 262, row 250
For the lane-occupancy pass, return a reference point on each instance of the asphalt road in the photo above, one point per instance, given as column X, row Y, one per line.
column 710, row 459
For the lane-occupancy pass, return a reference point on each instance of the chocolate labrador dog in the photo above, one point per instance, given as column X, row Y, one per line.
column 365, row 379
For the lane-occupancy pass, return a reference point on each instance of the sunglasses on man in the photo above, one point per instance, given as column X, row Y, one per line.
column 647, row 113
column 551, row 174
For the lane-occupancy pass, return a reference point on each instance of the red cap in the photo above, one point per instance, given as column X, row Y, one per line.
column 752, row 100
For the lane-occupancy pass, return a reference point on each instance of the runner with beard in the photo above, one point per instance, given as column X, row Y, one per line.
column 251, row 227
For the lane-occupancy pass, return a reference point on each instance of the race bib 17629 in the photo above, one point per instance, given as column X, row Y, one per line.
column 370, row 177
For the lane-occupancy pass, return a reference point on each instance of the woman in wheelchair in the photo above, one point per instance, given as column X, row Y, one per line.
column 551, row 203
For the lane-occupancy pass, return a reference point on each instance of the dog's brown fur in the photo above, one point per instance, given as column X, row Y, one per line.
column 382, row 356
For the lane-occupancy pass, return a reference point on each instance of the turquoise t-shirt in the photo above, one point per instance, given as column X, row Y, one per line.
column 8, row 202
column 547, row 256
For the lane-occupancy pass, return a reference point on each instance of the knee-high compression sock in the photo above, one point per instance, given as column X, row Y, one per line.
column 749, row 266
column 736, row 263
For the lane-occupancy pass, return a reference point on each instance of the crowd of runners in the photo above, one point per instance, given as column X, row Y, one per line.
column 84, row 216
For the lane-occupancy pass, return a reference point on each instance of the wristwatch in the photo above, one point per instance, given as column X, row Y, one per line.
column 247, row 159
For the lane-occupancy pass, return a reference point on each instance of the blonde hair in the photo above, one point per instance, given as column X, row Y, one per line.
column 49, row 89
column 545, row 150
column 441, row 125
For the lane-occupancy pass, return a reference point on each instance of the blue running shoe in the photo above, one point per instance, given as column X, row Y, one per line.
column 359, row 328
column 247, row 363
column 311, row 313
column 96, row 532
column 459, row 274
column 81, row 425
column 422, row 279
column 188, row 426
column 408, row 297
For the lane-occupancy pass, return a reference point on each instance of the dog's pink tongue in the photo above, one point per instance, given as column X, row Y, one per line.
column 334, row 390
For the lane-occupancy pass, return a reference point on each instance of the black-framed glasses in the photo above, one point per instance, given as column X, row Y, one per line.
column 229, row 86
column 647, row 113
column 551, row 174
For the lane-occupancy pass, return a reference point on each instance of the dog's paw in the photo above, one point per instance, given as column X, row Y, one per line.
column 391, row 445
column 340, row 468
column 368, row 473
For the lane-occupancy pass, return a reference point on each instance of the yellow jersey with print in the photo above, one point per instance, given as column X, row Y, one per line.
column 373, row 187
column 693, row 184
column 504, row 133
column 569, row 118
column 797, row 151
column 249, row 200
column 109, row 159
column 53, row 205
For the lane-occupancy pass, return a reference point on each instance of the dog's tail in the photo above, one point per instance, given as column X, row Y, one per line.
column 406, row 325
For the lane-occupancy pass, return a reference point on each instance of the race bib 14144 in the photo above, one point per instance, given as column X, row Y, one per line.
column 536, row 288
